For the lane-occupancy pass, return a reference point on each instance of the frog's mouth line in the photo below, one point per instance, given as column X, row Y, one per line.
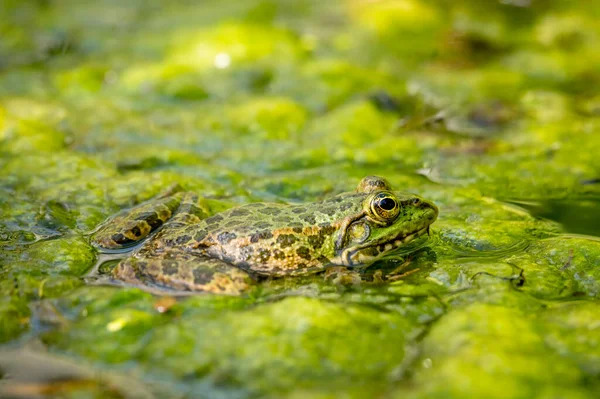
column 357, row 256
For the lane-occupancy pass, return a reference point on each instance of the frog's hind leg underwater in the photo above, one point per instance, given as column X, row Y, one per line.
column 176, row 272
column 157, row 267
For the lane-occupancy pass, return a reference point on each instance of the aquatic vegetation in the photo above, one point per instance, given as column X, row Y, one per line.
column 488, row 109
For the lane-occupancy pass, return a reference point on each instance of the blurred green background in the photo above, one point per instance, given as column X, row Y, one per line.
column 491, row 109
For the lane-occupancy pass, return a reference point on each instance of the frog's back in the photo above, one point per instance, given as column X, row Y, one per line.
column 269, row 238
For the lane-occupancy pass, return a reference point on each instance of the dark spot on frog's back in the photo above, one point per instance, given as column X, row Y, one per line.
column 285, row 240
column 304, row 253
column 239, row 212
column 261, row 235
column 309, row 219
column 283, row 219
column 183, row 239
column 214, row 219
column 200, row 235
column 346, row 206
column 329, row 211
column 232, row 223
column 225, row 237
column 297, row 230
column 261, row 225
column 296, row 225
column 269, row 211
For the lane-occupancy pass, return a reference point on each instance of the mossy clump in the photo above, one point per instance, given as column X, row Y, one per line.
column 488, row 109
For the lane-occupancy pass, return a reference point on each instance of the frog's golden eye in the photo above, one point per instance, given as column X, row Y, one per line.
column 384, row 206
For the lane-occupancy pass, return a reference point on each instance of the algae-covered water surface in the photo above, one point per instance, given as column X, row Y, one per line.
column 489, row 109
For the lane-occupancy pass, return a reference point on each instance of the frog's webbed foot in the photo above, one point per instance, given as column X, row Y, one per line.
column 397, row 274
column 133, row 225
column 400, row 276
column 175, row 271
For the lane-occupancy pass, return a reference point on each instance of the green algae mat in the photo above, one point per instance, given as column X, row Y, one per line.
column 490, row 109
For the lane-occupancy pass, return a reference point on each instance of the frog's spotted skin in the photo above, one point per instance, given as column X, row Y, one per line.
column 183, row 271
column 128, row 228
column 193, row 253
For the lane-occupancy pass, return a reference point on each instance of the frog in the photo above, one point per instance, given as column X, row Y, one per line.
column 177, row 245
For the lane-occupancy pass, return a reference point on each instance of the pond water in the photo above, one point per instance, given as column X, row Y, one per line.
column 488, row 109
column 576, row 215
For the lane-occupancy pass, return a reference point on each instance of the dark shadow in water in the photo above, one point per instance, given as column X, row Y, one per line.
column 576, row 215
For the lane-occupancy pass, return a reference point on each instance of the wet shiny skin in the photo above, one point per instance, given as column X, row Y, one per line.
column 193, row 252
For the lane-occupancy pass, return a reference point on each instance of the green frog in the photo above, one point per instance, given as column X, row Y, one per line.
column 177, row 246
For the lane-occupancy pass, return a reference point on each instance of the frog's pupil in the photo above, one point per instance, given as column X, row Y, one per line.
column 387, row 204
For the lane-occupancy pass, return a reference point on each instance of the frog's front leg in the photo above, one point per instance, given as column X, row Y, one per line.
column 133, row 225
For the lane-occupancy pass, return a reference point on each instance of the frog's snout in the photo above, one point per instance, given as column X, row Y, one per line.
column 430, row 211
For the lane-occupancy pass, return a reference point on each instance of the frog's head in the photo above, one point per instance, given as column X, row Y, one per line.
column 388, row 220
